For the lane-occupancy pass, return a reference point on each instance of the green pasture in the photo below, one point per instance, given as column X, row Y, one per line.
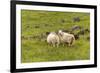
column 34, row 23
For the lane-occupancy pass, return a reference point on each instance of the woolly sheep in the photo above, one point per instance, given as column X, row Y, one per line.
column 66, row 38
column 53, row 39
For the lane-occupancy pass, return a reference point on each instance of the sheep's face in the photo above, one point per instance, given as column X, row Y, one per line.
column 60, row 34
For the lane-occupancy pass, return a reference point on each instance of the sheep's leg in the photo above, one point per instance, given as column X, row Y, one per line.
column 72, row 44
column 63, row 44
column 69, row 44
column 50, row 44
column 53, row 44
column 57, row 44
column 73, row 39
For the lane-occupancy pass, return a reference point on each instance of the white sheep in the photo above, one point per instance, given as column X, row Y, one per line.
column 66, row 38
column 53, row 39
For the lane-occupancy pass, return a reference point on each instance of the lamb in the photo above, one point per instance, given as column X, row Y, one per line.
column 66, row 38
column 53, row 39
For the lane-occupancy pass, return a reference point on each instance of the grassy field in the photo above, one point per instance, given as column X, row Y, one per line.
column 35, row 23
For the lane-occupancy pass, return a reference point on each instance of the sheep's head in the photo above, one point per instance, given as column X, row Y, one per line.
column 60, row 33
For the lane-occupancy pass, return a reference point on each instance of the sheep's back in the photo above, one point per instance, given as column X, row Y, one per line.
column 67, row 37
column 52, row 38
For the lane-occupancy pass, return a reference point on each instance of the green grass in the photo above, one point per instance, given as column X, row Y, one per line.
column 36, row 50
